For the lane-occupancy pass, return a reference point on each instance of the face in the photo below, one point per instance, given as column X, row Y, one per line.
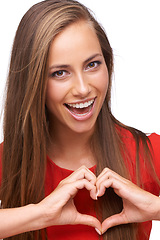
column 77, row 79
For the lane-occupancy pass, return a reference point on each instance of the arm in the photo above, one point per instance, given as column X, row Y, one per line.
column 56, row 209
column 18, row 220
column 138, row 205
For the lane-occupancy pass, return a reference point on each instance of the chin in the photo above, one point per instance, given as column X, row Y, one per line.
column 85, row 128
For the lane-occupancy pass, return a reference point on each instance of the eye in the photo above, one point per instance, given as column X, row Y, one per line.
column 93, row 65
column 59, row 74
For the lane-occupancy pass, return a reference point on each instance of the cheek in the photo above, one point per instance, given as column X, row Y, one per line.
column 54, row 93
column 103, row 81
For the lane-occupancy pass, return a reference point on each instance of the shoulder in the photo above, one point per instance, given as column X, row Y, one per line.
column 127, row 138
column 130, row 136
column 125, row 135
column 135, row 138
column 155, row 144
column 155, row 141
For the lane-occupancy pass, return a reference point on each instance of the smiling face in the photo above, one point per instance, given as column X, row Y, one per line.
column 77, row 79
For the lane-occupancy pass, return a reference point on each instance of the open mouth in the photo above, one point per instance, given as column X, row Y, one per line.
column 80, row 109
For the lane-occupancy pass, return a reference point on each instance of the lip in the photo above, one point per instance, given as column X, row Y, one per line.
column 83, row 117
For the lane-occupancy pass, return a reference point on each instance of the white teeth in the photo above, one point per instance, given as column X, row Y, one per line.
column 82, row 105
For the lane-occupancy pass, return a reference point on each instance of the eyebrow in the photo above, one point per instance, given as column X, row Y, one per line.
column 66, row 66
column 92, row 57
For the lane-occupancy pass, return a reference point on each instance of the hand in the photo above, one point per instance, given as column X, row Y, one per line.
column 59, row 206
column 138, row 205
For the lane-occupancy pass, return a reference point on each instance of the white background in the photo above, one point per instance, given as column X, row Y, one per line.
column 133, row 31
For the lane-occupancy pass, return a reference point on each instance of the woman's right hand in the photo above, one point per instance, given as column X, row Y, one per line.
column 59, row 208
column 56, row 209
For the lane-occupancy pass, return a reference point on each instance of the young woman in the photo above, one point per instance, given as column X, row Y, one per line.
column 66, row 161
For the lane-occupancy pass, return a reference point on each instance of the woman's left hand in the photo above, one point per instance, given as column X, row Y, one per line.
column 138, row 205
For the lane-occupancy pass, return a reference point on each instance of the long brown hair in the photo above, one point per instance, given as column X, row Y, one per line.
column 25, row 121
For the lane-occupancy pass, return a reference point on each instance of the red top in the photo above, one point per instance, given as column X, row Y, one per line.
column 83, row 202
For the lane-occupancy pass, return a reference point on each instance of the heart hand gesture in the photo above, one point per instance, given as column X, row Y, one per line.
column 138, row 205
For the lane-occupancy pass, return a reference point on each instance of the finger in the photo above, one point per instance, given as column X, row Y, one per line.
column 102, row 173
column 80, row 184
column 88, row 220
column 112, row 221
column 82, row 172
column 104, row 181
column 115, row 183
column 70, row 189
column 108, row 179
column 106, row 173
column 102, row 187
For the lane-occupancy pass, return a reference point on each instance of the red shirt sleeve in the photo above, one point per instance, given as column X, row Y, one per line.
column 155, row 141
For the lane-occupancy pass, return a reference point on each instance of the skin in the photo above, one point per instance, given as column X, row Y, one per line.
column 71, row 138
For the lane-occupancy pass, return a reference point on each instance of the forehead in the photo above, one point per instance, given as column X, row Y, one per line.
column 78, row 39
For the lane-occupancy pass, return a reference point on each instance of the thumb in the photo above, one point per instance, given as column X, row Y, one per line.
column 89, row 220
column 112, row 221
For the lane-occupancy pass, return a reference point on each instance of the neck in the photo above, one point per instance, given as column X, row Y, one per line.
column 71, row 150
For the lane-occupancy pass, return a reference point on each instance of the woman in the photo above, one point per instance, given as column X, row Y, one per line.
column 58, row 105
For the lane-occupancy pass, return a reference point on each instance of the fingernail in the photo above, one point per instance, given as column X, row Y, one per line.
column 97, row 230
column 97, row 194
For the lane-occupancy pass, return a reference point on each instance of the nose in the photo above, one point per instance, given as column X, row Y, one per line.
column 81, row 86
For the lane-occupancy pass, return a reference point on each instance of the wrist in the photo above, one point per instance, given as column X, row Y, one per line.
column 157, row 209
column 39, row 221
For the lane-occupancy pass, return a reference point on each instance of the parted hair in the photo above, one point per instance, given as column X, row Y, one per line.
column 25, row 119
